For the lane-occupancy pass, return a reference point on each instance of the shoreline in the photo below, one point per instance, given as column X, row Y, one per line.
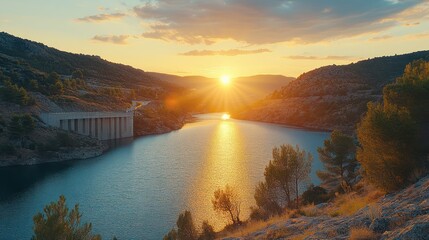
column 85, row 153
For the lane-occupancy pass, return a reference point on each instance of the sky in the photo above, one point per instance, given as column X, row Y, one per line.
column 223, row 37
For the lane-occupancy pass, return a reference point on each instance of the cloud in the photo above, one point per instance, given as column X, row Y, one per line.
column 419, row 36
column 230, row 52
column 302, row 57
column 269, row 21
column 381, row 38
column 116, row 39
column 101, row 17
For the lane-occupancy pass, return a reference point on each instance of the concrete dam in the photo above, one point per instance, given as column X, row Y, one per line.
column 100, row 125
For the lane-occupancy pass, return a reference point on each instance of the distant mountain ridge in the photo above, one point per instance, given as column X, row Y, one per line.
column 331, row 97
column 208, row 95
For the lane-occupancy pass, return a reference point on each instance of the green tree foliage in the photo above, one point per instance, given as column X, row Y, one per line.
column 52, row 78
column 393, row 136
column 388, row 146
column 13, row 93
column 266, row 200
column 21, row 126
column 315, row 195
column 300, row 167
column 226, row 201
column 57, row 222
column 338, row 158
column 207, row 231
column 57, row 88
column 411, row 92
column 77, row 74
column 287, row 172
column 185, row 228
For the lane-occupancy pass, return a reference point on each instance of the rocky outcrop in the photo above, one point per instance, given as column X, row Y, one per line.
column 401, row 215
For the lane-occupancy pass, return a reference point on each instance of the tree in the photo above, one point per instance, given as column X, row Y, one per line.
column 387, row 136
column 57, row 222
column 266, row 199
column 57, row 88
column 185, row 227
column 226, row 201
column 21, row 126
column 393, row 135
column 207, row 232
column 13, row 93
column 286, row 173
column 300, row 167
column 77, row 74
column 53, row 77
column 171, row 235
column 338, row 158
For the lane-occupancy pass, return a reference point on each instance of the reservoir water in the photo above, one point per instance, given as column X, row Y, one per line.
column 137, row 190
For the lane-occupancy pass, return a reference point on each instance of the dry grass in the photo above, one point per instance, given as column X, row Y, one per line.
column 310, row 211
column 254, row 226
column 362, row 233
column 374, row 211
column 348, row 204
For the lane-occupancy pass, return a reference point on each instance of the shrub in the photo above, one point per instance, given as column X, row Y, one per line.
column 207, row 231
column 315, row 195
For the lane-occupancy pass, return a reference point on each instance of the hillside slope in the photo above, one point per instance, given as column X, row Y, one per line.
column 331, row 97
column 400, row 215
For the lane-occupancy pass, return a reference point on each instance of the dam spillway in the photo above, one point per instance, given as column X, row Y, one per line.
column 100, row 125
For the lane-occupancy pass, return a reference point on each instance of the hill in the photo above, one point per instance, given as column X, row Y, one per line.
column 399, row 215
column 331, row 97
column 242, row 92
column 36, row 78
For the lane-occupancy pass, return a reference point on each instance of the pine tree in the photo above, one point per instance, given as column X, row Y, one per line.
column 338, row 158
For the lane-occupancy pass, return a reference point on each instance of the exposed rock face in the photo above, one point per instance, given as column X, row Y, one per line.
column 404, row 215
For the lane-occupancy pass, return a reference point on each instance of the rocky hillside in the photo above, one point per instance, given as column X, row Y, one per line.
column 331, row 97
column 35, row 78
column 400, row 215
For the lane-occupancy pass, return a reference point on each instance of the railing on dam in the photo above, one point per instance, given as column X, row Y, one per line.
column 101, row 125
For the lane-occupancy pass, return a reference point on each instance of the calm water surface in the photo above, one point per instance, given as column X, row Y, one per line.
column 136, row 191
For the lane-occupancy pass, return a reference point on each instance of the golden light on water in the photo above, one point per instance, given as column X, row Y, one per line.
column 226, row 116
column 225, row 79
column 225, row 163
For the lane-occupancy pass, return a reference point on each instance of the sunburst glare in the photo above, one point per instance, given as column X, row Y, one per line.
column 225, row 79
column 226, row 116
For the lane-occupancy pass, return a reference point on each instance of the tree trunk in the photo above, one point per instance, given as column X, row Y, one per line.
column 297, row 193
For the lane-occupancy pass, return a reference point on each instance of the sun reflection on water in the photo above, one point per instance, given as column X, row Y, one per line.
column 224, row 164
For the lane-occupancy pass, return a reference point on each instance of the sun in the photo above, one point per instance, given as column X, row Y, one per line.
column 226, row 116
column 225, row 79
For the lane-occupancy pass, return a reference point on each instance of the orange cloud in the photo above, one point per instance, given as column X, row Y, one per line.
column 230, row 52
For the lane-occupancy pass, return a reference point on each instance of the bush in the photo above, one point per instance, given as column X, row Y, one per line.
column 207, row 231
column 15, row 94
column 315, row 195
column 185, row 228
